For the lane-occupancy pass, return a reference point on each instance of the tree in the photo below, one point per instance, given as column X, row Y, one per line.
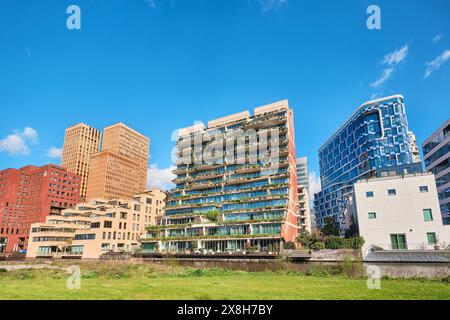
column 331, row 227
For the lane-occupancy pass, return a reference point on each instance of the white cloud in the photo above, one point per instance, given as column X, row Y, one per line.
column 54, row 153
column 16, row 143
column 387, row 73
column 160, row 178
column 377, row 95
column 396, row 57
column 314, row 184
column 438, row 38
column 436, row 63
column 268, row 5
column 151, row 3
column 391, row 61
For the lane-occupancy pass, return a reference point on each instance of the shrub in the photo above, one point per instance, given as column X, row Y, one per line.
column 340, row 243
column 3, row 270
column 356, row 243
column 90, row 275
column 317, row 271
column 289, row 245
column 307, row 240
column 318, row 246
column 334, row 242
column 23, row 275
column 212, row 215
column 351, row 268
column 190, row 272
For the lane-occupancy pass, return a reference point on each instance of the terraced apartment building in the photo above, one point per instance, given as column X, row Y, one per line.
column 236, row 185
column 97, row 227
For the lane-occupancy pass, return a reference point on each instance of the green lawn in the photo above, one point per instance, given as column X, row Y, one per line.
column 145, row 282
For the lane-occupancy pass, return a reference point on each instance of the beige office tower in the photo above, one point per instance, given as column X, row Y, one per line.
column 120, row 169
column 414, row 148
column 80, row 142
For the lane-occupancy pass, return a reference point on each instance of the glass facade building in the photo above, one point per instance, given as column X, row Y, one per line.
column 374, row 141
column 436, row 153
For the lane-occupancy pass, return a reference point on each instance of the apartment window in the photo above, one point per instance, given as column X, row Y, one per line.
column 398, row 242
column 369, row 194
column 85, row 237
column 423, row 189
column 427, row 215
column 107, row 224
column 372, row 215
column 95, row 225
column 432, row 239
column 392, row 192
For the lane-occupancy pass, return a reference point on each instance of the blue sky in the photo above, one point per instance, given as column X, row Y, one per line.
column 163, row 64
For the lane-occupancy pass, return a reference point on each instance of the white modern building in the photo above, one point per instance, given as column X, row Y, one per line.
column 305, row 218
column 399, row 213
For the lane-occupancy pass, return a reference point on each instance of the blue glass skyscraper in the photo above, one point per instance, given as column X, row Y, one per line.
column 373, row 142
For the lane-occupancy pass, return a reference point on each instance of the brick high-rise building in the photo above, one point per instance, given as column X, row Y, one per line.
column 80, row 142
column 28, row 195
column 120, row 169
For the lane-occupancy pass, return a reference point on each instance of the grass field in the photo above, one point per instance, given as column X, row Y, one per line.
column 166, row 282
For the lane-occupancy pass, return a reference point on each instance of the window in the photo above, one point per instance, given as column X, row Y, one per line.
column 77, row 249
column 423, row 189
column 95, row 225
column 372, row 215
column 427, row 215
column 398, row 242
column 432, row 240
column 369, row 194
column 107, row 224
column 85, row 237
column 392, row 192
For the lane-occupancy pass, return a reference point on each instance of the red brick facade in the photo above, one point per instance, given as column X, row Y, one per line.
column 28, row 195
column 289, row 231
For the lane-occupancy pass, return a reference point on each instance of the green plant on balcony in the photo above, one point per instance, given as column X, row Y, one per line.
column 212, row 215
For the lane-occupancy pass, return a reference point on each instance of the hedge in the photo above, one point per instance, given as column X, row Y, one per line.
column 340, row 243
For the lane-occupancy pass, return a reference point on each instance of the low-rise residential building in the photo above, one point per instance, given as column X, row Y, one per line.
column 96, row 227
column 399, row 213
